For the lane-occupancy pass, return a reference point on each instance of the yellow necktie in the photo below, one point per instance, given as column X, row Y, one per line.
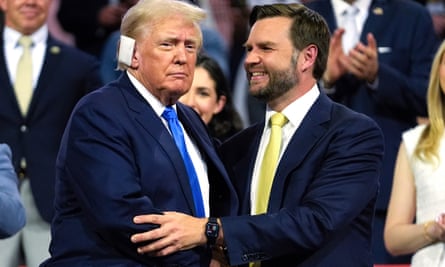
column 268, row 166
column 23, row 80
column 270, row 162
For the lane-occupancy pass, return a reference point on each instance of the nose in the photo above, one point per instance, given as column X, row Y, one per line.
column 180, row 57
column 251, row 58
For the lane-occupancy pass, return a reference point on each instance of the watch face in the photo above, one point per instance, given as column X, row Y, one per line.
column 212, row 230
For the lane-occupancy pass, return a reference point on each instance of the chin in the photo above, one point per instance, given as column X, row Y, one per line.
column 176, row 93
column 255, row 89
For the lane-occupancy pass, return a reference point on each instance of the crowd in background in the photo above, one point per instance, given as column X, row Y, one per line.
column 93, row 27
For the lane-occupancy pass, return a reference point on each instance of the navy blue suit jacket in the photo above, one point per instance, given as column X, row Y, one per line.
column 67, row 74
column 406, row 41
column 118, row 160
column 323, row 195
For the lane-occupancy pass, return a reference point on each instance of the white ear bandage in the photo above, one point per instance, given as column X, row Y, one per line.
column 126, row 49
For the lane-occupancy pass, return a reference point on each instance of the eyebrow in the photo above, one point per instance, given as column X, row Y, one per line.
column 176, row 39
column 263, row 43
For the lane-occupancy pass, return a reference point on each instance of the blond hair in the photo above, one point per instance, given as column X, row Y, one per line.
column 427, row 148
column 143, row 16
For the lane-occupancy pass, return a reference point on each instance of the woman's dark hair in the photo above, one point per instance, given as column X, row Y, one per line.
column 227, row 122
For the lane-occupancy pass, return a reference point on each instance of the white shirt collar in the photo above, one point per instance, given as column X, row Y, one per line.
column 12, row 36
column 340, row 6
column 297, row 110
column 157, row 106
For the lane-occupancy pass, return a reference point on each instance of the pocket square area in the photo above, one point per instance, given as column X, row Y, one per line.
column 384, row 49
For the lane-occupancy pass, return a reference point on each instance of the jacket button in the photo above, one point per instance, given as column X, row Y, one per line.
column 23, row 128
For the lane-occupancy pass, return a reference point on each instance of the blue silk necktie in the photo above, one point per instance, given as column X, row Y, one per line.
column 169, row 115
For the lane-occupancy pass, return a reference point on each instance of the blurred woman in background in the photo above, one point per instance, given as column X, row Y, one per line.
column 210, row 96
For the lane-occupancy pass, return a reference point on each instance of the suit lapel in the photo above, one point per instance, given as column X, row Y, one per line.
column 241, row 160
column 9, row 100
column 51, row 62
column 378, row 17
column 153, row 125
column 302, row 143
column 250, row 162
column 197, row 130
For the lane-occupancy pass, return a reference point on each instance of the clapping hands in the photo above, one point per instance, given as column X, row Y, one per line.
column 361, row 61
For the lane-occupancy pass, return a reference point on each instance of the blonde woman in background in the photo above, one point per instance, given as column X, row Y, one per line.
column 416, row 221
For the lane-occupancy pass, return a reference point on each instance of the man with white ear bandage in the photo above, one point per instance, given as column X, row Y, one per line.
column 130, row 148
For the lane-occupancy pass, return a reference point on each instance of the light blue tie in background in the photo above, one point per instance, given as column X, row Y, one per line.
column 169, row 114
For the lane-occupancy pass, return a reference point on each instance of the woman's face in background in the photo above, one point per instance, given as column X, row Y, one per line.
column 202, row 96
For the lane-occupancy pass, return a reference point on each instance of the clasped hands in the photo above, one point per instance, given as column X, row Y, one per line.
column 361, row 61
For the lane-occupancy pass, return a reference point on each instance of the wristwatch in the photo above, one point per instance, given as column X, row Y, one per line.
column 212, row 231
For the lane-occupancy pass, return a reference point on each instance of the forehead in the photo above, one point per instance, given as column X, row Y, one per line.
column 275, row 29
column 175, row 25
column 39, row 2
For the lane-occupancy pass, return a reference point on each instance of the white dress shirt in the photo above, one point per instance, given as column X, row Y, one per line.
column 295, row 113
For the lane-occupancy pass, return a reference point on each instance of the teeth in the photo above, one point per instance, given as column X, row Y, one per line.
column 257, row 73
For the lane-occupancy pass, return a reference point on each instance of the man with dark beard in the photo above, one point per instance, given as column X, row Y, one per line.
column 308, row 196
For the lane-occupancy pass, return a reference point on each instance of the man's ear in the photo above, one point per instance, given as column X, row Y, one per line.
column 308, row 56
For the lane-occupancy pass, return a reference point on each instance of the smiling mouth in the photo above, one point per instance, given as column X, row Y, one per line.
column 257, row 75
column 30, row 12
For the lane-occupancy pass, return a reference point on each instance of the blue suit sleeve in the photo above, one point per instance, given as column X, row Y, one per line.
column 101, row 168
column 13, row 213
